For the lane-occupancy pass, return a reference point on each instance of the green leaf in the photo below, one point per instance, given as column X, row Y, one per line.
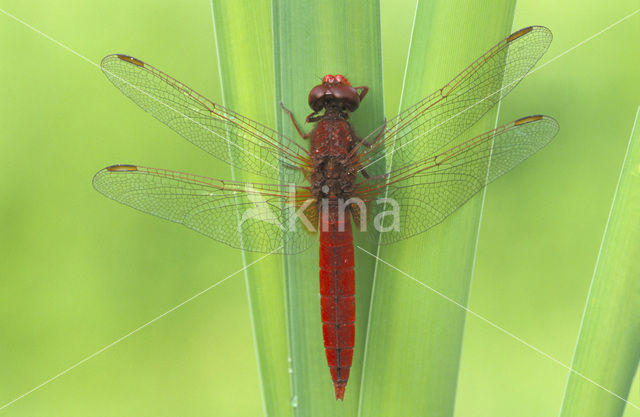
column 608, row 347
column 313, row 39
column 415, row 336
column 245, row 58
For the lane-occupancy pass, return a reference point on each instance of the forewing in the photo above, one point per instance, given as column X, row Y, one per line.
column 249, row 216
column 424, row 193
column 430, row 125
column 228, row 136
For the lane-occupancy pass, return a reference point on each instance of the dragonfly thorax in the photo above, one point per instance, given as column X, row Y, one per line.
column 333, row 179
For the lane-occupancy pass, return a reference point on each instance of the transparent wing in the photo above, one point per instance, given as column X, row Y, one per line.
column 424, row 193
column 228, row 136
column 430, row 125
column 249, row 216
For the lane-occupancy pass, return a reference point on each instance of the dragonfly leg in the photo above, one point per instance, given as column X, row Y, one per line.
column 363, row 92
column 313, row 117
column 305, row 170
column 295, row 124
column 366, row 143
column 379, row 135
column 379, row 177
column 291, row 166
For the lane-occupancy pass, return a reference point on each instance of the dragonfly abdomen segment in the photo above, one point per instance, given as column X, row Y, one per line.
column 337, row 295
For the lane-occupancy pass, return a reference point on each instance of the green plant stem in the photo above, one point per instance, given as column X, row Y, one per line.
column 415, row 336
column 313, row 39
column 608, row 347
column 245, row 56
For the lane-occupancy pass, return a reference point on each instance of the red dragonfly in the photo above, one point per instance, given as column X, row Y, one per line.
column 400, row 180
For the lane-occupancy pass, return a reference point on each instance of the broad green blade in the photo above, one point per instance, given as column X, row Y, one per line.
column 245, row 54
column 608, row 347
column 415, row 336
column 313, row 39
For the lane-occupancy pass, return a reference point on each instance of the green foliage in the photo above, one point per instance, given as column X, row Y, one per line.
column 78, row 271
column 608, row 348
column 313, row 39
column 245, row 59
column 415, row 336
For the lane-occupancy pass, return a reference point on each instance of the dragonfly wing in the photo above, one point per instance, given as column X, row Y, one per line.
column 253, row 217
column 228, row 136
column 433, row 123
column 424, row 193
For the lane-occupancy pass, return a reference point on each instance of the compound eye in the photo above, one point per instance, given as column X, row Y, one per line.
column 347, row 94
column 328, row 79
column 316, row 97
column 342, row 79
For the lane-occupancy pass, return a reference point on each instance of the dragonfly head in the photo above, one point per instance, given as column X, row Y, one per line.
column 335, row 89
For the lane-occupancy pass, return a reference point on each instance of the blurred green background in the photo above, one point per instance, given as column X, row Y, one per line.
column 78, row 271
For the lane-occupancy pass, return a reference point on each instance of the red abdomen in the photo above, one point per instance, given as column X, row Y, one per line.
column 337, row 291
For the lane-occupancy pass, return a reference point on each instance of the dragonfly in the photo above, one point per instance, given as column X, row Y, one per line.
column 400, row 180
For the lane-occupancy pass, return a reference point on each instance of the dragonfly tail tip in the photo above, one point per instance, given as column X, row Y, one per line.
column 339, row 388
